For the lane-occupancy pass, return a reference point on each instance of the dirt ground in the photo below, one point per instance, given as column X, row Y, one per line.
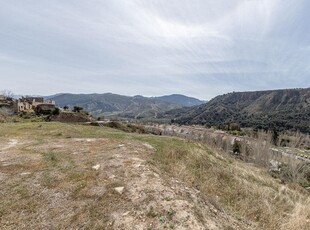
column 50, row 182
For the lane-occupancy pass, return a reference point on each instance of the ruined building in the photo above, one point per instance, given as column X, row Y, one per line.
column 38, row 104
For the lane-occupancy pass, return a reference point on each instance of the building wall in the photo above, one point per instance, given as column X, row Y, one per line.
column 23, row 106
column 27, row 103
column 35, row 99
column 49, row 102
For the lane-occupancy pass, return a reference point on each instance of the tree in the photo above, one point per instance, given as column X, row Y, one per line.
column 7, row 93
column 66, row 107
column 56, row 111
column 100, row 118
column 77, row 109
column 275, row 136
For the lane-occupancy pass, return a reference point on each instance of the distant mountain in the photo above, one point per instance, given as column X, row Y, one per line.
column 181, row 99
column 20, row 96
column 109, row 104
column 282, row 109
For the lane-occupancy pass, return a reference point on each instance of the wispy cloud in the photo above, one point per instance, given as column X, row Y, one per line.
column 198, row 47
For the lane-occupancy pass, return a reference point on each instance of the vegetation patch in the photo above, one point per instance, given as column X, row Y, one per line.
column 248, row 199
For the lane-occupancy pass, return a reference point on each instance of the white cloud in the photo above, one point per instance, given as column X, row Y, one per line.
column 199, row 47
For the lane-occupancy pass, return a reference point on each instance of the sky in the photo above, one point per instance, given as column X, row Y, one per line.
column 200, row 48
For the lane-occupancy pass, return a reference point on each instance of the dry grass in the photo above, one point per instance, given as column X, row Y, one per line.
column 299, row 218
column 245, row 191
column 47, row 180
column 62, row 190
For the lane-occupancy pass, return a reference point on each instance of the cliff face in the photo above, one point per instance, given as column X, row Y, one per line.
column 283, row 109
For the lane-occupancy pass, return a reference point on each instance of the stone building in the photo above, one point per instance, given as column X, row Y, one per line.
column 31, row 103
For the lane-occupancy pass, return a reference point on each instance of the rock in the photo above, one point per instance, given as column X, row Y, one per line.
column 25, row 173
column 148, row 146
column 274, row 166
column 126, row 213
column 112, row 177
column 119, row 190
column 214, row 210
column 156, row 175
column 96, row 167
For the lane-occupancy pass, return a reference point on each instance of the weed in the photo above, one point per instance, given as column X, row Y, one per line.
column 47, row 180
column 50, row 157
column 77, row 192
column 23, row 191
column 151, row 213
column 170, row 214
column 162, row 219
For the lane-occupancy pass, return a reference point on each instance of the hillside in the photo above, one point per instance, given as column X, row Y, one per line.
column 181, row 99
column 283, row 109
column 59, row 176
column 109, row 104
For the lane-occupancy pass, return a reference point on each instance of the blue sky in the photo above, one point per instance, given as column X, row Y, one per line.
column 200, row 48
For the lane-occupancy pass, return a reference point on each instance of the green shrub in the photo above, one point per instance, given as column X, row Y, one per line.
column 77, row 109
column 56, row 111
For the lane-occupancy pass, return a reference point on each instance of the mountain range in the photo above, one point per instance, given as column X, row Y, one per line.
column 286, row 109
column 137, row 107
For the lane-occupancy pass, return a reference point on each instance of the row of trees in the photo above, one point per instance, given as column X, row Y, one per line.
column 76, row 109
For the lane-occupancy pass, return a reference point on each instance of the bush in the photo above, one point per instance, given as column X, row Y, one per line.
column 234, row 127
column 299, row 174
column 77, row 109
column 56, row 111
column 237, row 147
column 114, row 125
column 130, row 128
